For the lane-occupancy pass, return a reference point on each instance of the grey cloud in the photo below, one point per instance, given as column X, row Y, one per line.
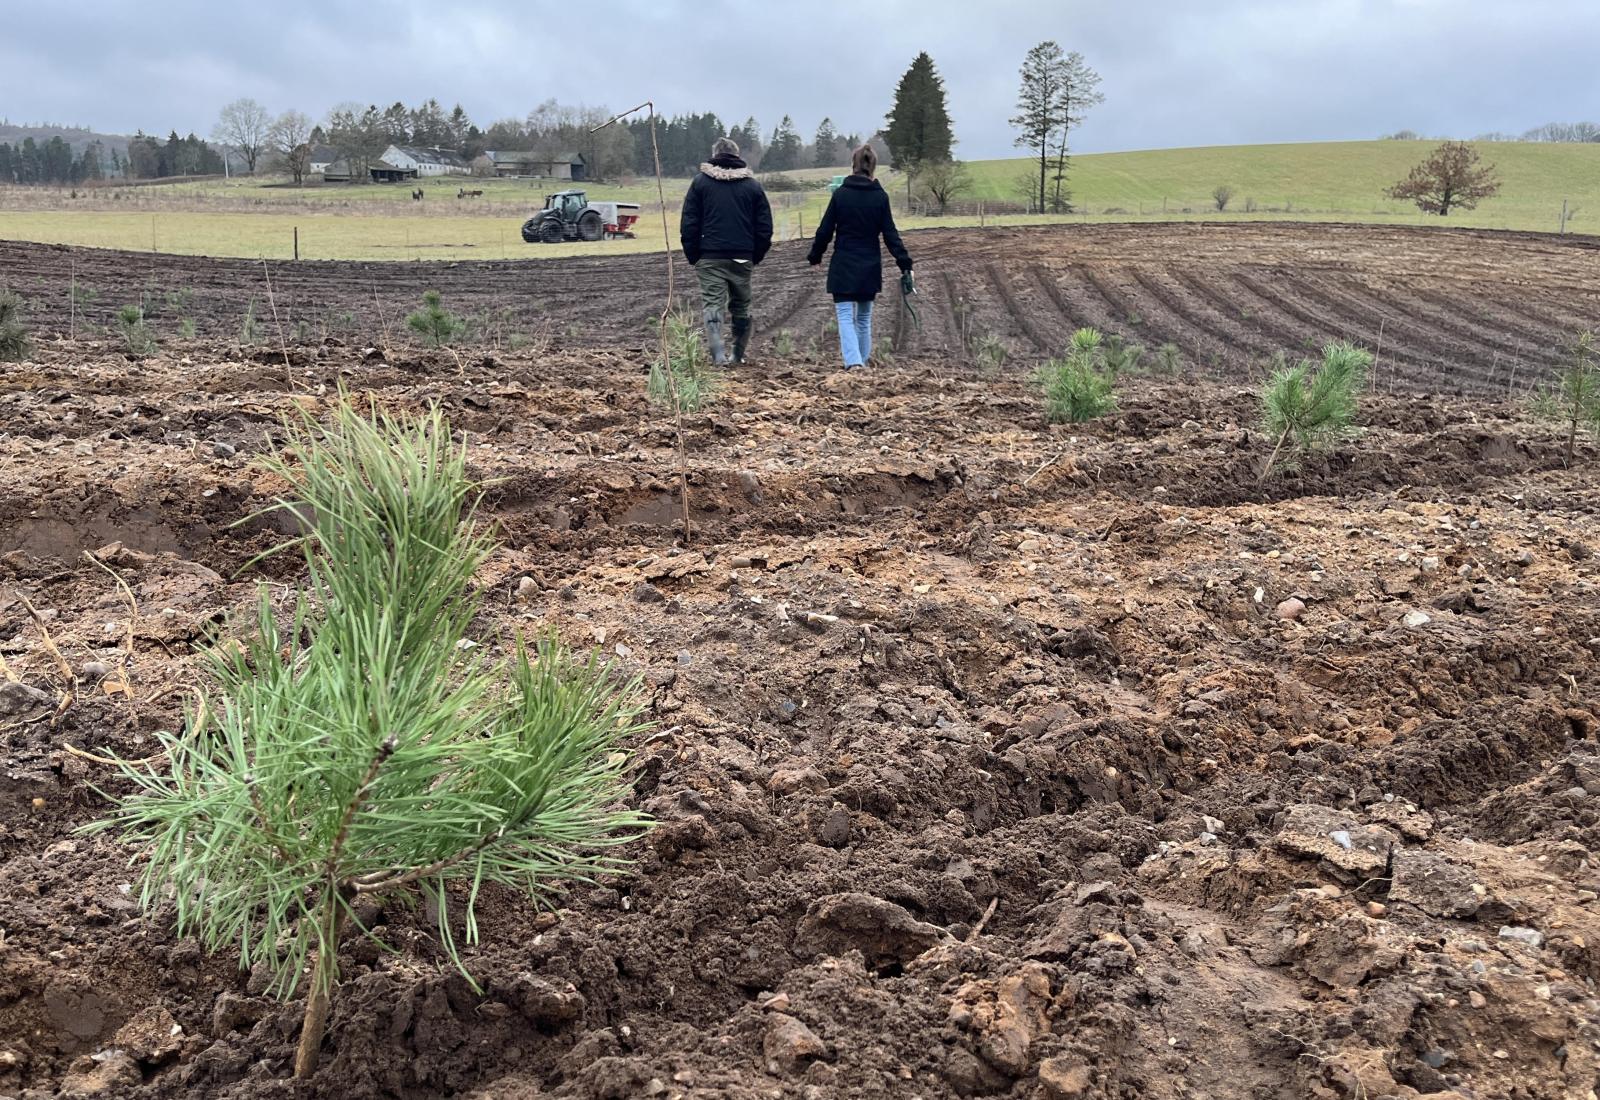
column 1175, row 72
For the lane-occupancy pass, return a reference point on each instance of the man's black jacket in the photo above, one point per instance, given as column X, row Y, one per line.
column 726, row 215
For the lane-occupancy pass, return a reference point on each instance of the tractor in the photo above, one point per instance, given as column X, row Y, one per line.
column 570, row 216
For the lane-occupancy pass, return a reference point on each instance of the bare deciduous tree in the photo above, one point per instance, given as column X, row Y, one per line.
column 290, row 138
column 1222, row 196
column 243, row 125
column 943, row 181
column 1451, row 177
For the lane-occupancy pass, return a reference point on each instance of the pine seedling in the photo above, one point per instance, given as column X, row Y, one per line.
column 436, row 325
column 990, row 352
column 783, row 345
column 694, row 382
column 1169, row 360
column 1077, row 386
column 1121, row 357
column 134, row 331
column 14, row 343
column 1575, row 399
column 1306, row 406
column 359, row 745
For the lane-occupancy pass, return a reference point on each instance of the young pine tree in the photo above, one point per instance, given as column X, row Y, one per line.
column 1574, row 400
column 436, row 325
column 14, row 342
column 1079, row 387
column 1306, row 406
column 355, row 746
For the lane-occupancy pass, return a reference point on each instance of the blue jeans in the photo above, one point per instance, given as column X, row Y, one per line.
column 855, row 331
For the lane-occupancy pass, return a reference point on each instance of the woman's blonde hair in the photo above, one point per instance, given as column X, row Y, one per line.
column 864, row 162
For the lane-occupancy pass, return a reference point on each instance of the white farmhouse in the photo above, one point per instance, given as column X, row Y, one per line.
column 425, row 162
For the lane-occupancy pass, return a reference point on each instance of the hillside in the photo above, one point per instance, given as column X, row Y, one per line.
column 1345, row 179
column 12, row 133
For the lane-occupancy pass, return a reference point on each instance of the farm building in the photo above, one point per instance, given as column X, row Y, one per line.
column 563, row 166
column 338, row 171
column 424, row 162
column 321, row 156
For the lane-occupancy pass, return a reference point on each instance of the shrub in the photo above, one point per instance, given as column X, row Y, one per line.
column 1169, row 359
column 134, row 331
column 1222, row 196
column 1077, row 386
column 990, row 352
column 687, row 378
column 1306, row 406
column 14, row 342
column 1120, row 357
column 436, row 325
column 1574, row 399
column 357, row 746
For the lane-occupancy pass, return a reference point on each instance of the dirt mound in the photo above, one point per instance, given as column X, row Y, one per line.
column 990, row 759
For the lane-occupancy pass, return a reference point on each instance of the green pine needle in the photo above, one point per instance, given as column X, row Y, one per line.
column 353, row 745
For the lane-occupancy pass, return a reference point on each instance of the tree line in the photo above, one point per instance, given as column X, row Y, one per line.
column 1558, row 132
column 54, row 162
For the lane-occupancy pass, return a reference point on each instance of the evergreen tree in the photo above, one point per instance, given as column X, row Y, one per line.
column 8, row 165
column 748, row 135
column 783, row 151
column 825, row 145
column 90, row 165
column 919, row 125
column 1056, row 90
column 458, row 125
column 396, row 124
column 1080, row 90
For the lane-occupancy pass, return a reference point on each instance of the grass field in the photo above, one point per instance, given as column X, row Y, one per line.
column 1337, row 181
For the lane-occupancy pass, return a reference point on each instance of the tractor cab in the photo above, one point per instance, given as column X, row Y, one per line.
column 567, row 204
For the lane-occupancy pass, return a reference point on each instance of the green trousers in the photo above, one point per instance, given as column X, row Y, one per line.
column 725, row 288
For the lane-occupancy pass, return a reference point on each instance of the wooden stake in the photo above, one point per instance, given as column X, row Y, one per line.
column 666, row 361
column 283, row 346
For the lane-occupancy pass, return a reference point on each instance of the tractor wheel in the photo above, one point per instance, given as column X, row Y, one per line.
column 590, row 227
column 550, row 231
column 530, row 230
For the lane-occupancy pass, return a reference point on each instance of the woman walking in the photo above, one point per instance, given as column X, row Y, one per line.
column 857, row 215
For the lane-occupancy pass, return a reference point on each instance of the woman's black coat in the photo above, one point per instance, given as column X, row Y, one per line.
column 858, row 213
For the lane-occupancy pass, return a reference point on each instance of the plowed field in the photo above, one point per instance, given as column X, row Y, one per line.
column 1452, row 311
column 990, row 758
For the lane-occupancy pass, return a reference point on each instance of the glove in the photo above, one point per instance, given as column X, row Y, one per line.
column 908, row 285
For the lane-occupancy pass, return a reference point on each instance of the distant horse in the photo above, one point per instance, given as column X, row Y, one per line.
column 416, row 194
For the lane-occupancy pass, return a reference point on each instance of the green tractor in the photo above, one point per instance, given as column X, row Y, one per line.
column 570, row 216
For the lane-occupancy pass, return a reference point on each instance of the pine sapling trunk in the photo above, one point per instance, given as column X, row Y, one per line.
column 1273, row 457
column 319, row 1002
column 1572, row 440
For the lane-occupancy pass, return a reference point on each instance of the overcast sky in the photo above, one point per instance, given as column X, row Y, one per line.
column 1176, row 72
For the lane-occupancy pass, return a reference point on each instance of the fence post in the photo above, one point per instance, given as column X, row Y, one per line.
column 297, row 242
column 1563, row 216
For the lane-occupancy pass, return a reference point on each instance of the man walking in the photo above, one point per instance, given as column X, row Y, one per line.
column 726, row 230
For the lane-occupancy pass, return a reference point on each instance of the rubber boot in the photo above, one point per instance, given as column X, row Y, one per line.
column 741, row 338
column 719, row 355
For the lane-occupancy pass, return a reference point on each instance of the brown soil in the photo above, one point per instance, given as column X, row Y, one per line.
column 1449, row 311
column 986, row 763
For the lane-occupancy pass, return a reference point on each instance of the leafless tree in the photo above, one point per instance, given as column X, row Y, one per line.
column 290, row 138
column 1222, row 196
column 943, row 181
column 1451, row 177
column 243, row 125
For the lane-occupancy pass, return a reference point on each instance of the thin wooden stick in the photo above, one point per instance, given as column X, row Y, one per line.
column 666, row 361
column 983, row 922
column 283, row 345
column 49, row 642
column 133, row 615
